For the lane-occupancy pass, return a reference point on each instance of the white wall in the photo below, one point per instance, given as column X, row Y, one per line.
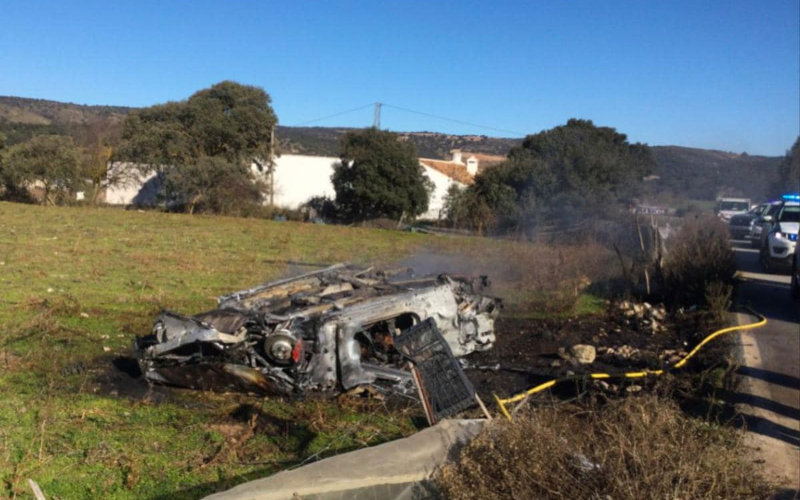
column 300, row 177
column 297, row 178
column 133, row 187
column 441, row 184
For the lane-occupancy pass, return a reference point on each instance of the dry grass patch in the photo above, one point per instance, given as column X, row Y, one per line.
column 631, row 449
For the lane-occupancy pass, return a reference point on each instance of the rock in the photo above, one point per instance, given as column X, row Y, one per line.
column 633, row 389
column 602, row 384
column 555, row 363
column 583, row 354
column 84, row 315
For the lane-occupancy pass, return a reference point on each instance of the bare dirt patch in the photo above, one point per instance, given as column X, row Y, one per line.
column 10, row 362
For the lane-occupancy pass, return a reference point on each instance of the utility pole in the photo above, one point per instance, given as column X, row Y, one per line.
column 377, row 121
column 272, row 167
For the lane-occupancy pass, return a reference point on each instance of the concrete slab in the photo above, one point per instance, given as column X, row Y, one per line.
column 399, row 469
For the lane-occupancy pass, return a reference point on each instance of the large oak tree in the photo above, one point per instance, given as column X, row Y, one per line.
column 204, row 146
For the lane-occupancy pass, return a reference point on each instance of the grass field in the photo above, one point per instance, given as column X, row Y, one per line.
column 79, row 283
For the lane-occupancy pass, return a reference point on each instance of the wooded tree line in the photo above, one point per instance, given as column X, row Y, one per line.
column 204, row 149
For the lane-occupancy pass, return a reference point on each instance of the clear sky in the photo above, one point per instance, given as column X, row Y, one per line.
column 712, row 74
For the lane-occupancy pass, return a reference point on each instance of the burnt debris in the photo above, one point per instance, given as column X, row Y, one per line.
column 326, row 331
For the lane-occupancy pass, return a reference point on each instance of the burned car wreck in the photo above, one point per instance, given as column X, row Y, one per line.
column 327, row 331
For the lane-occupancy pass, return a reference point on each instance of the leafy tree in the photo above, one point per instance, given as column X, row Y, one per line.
column 212, row 184
column 226, row 126
column 49, row 160
column 789, row 171
column 96, row 140
column 562, row 174
column 464, row 208
column 379, row 176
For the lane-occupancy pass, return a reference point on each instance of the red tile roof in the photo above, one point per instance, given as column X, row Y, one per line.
column 456, row 171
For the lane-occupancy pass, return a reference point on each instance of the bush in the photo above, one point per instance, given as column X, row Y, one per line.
column 631, row 449
column 700, row 264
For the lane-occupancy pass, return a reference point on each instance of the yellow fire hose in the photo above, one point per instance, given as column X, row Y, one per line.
column 640, row 374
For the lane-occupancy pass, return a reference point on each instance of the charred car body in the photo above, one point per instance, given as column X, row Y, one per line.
column 327, row 331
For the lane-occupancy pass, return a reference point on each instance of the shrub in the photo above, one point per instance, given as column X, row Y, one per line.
column 630, row 449
column 700, row 263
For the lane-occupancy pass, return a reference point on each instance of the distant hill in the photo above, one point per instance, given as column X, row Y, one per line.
column 700, row 174
column 704, row 174
column 324, row 141
column 21, row 118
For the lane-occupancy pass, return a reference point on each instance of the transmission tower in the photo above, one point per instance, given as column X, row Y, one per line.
column 377, row 121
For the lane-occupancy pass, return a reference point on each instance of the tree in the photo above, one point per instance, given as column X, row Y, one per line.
column 226, row 126
column 464, row 208
column 562, row 174
column 789, row 171
column 96, row 140
column 213, row 184
column 379, row 176
column 51, row 161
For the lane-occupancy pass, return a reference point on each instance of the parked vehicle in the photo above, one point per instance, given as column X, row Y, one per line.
column 762, row 222
column 741, row 225
column 779, row 244
column 728, row 207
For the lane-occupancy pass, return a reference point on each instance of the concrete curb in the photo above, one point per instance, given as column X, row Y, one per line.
column 398, row 469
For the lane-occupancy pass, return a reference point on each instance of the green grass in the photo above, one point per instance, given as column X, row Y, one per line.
column 79, row 283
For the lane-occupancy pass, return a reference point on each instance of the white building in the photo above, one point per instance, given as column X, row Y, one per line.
column 301, row 177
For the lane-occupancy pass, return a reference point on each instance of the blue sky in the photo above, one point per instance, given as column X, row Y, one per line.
column 711, row 74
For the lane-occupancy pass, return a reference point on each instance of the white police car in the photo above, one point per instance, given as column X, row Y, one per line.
column 779, row 245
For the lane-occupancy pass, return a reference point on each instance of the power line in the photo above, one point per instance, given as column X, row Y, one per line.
column 460, row 122
column 376, row 120
column 334, row 115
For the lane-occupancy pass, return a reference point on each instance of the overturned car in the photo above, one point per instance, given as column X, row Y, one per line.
column 326, row 331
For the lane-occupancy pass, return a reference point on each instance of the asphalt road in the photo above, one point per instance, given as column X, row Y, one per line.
column 769, row 397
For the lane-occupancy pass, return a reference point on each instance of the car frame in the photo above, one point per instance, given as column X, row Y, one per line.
column 328, row 331
column 779, row 243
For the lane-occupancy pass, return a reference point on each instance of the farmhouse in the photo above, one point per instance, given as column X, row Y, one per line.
column 298, row 178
